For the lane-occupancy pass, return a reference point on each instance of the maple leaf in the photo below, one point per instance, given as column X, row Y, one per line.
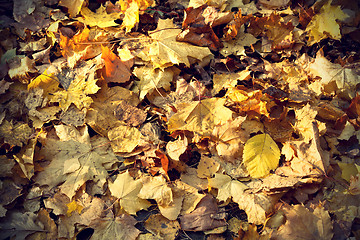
column 101, row 18
column 166, row 51
column 74, row 162
column 162, row 227
column 124, row 138
column 25, row 158
column 303, row 224
column 227, row 187
column 122, row 227
column 200, row 116
column 21, row 68
column 152, row 79
column 83, row 85
column 344, row 78
column 131, row 8
column 156, row 188
column 126, row 189
column 19, row 225
column 324, row 24
column 261, row 155
column 305, row 116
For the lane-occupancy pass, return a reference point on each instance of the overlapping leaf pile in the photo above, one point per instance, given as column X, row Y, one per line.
column 234, row 119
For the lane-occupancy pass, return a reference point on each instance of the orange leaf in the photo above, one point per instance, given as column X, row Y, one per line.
column 164, row 159
column 115, row 69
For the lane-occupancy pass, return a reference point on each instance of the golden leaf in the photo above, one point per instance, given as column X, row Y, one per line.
column 261, row 155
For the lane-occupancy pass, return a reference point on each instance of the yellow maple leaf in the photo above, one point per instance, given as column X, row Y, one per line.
column 72, row 207
column 126, row 189
column 261, row 154
column 226, row 186
column 166, row 51
column 131, row 8
column 156, row 188
column 101, row 18
column 77, row 93
column 324, row 24
column 124, row 138
column 200, row 116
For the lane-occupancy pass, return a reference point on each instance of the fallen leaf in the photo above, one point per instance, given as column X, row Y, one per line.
column 162, row 227
column 324, row 24
column 207, row 167
column 73, row 6
column 72, row 207
column 227, row 187
column 156, row 188
column 131, row 10
column 100, row 18
column 176, row 148
column 15, row 134
column 200, row 116
column 304, row 224
column 122, row 227
column 116, row 70
column 201, row 218
column 72, row 163
column 126, row 189
column 261, row 155
column 124, row 138
column 165, row 51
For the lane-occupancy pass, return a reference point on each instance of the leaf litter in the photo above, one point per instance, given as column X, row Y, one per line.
column 181, row 119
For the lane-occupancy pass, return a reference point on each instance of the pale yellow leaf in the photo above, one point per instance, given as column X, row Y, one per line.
column 261, row 155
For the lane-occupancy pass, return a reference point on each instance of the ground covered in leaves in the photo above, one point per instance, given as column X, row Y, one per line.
column 142, row 119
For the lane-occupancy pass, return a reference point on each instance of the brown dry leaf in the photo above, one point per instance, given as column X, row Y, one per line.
column 354, row 188
column 324, row 24
column 156, row 188
column 162, row 227
column 128, row 114
column 231, row 31
column 25, row 158
column 249, row 102
column 122, row 227
column 126, row 189
column 176, row 148
column 304, row 117
column 202, row 218
column 19, row 225
column 15, row 134
column 200, row 116
column 334, row 77
column 101, row 115
column 166, row 51
column 153, row 79
column 116, row 70
column 304, row 224
column 124, row 139
column 72, row 163
column 229, row 140
column 198, row 26
column 207, row 167
column 21, row 69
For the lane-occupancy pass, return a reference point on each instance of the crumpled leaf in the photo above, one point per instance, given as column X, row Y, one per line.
column 203, row 217
column 126, row 189
column 261, row 155
column 304, row 224
column 74, row 162
column 121, row 227
column 166, row 51
column 156, row 188
column 200, row 116
column 324, row 24
column 15, row 134
column 101, row 18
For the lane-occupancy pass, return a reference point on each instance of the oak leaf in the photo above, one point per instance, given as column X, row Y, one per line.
column 200, row 116
column 166, row 51
column 261, row 155
column 126, row 189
